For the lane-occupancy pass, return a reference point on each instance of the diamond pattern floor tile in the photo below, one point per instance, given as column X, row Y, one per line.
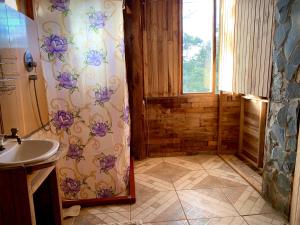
column 247, row 201
column 106, row 209
column 188, row 190
column 205, row 203
column 145, row 165
column 265, row 219
column 186, row 162
column 219, row 221
column 157, row 207
column 181, row 222
column 147, row 183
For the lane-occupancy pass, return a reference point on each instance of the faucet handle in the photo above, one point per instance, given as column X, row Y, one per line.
column 14, row 131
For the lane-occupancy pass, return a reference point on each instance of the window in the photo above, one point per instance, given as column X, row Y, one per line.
column 198, row 46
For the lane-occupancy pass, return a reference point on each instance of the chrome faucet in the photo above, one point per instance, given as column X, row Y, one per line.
column 13, row 135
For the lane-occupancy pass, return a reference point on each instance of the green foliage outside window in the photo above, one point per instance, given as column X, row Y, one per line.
column 197, row 63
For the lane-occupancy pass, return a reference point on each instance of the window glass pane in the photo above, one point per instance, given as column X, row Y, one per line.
column 197, row 45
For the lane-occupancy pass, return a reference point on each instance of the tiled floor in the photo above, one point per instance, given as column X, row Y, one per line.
column 246, row 172
column 194, row 190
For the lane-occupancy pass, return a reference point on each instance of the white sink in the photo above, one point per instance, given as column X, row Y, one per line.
column 28, row 152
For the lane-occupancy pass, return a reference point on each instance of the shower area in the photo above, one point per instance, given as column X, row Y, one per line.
column 83, row 61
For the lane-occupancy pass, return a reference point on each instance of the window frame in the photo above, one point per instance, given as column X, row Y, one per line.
column 214, row 52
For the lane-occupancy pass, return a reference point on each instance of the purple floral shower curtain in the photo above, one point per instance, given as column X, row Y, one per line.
column 82, row 48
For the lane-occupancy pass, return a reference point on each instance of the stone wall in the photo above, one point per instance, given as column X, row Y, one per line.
column 283, row 119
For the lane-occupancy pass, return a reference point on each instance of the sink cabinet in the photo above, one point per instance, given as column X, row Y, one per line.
column 29, row 197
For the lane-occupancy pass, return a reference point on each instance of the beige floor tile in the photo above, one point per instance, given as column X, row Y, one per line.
column 141, row 166
column 187, row 162
column 88, row 219
column 166, row 171
column 245, row 171
column 228, row 178
column 99, row 219
column 157, row 207
column 106, row 209
column 247, row 201
column 216, row 178
column 195, row 180
column 210, row 162
column 147, row 183
column 219, row 221
column 114, row 217
column 181, row 222
column 265, row 219
column 205, row 203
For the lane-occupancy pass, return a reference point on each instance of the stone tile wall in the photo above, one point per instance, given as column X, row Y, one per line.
column 283, row 119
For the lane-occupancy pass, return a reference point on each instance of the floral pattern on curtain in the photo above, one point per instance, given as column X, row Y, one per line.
column 82, row 50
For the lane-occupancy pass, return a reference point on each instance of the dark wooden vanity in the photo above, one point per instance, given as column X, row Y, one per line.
column 29, row 195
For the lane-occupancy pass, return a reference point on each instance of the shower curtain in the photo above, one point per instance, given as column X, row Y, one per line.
column 82, row 51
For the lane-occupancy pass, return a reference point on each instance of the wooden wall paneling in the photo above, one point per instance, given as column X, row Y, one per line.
column 154, row 43
column 175, row 56
column 220, row 127
column 17, row 212
column 229, row 123
column 182, row 125
column 26, row 7
column 134, row 26
column 162, row 47
column 262, row 128
column 160, row 59
column 242, row 113
column 252, row 130
column 23, row 97
column 165, row 81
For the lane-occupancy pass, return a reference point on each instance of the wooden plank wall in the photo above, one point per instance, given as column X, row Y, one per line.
column 187, row 125
column 161, row 40
column 229, row 123
column 182, row 125
column 175, row 124
column 246, row 33
column 135, row 75
column 252, row 130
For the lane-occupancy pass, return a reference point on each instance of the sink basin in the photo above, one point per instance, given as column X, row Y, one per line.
column 28, row 152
